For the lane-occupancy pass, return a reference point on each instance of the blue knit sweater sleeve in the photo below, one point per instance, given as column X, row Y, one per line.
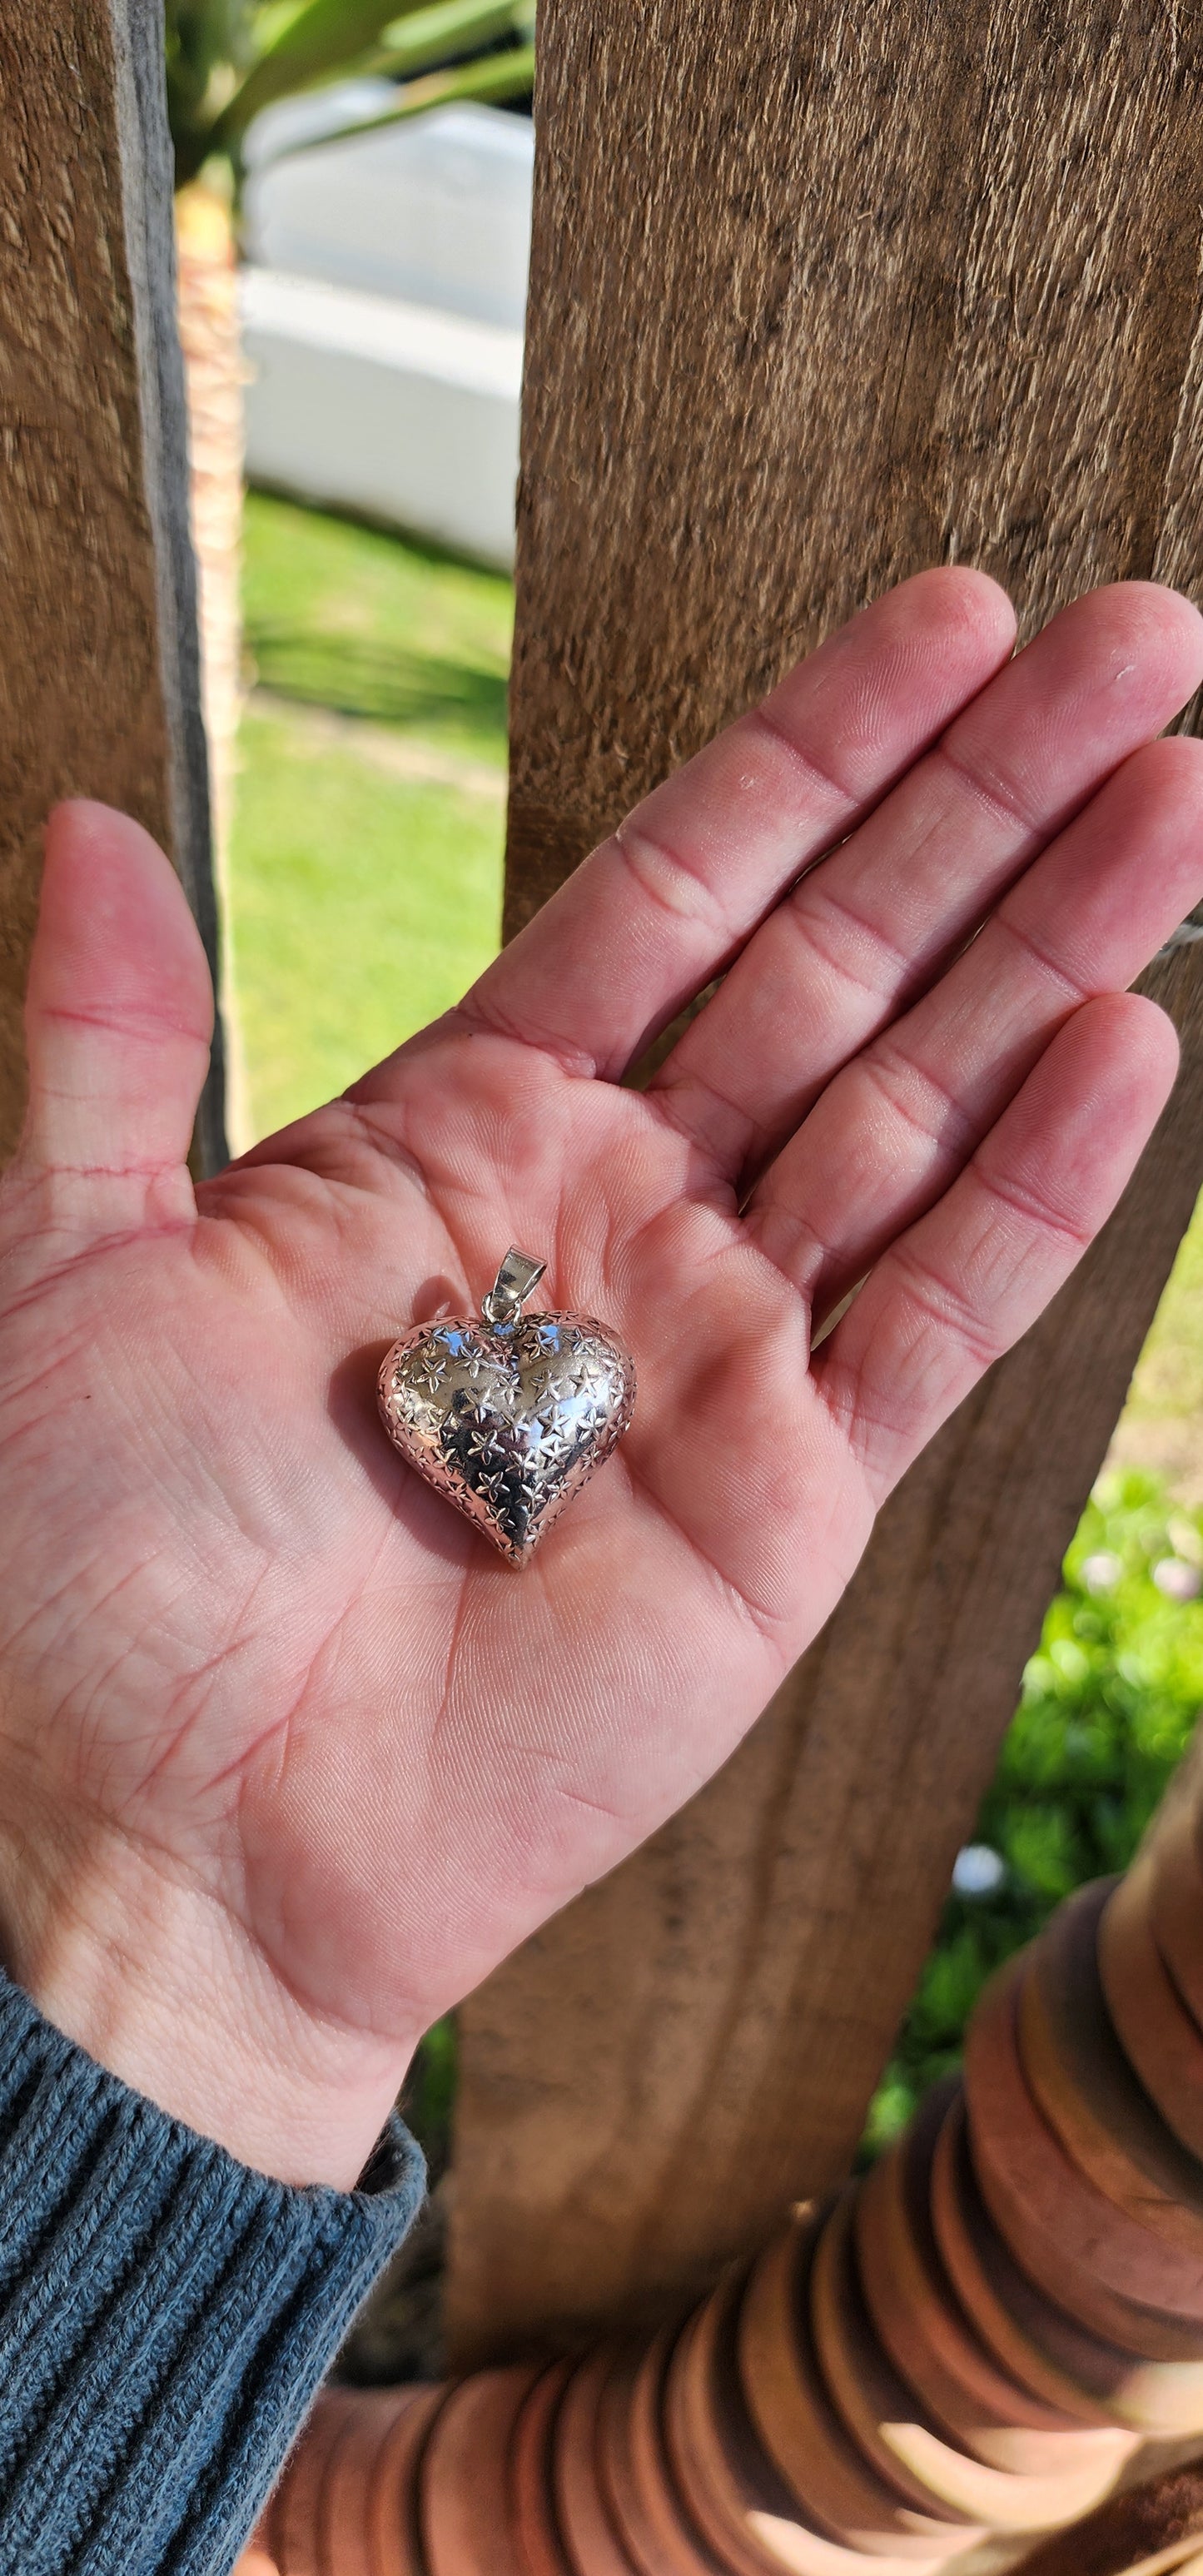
column 165, row 2316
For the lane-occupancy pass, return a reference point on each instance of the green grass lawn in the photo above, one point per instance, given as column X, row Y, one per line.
column 365, row 857
column 1162, row 1426
column 349, row 617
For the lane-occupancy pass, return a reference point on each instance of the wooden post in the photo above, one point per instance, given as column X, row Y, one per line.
column 818, row 296
column 99, row 690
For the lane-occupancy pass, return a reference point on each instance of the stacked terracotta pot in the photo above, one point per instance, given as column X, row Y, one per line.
column 971, row 2339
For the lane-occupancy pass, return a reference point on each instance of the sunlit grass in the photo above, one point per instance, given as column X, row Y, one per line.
column 362, row 899
column 352, row 618
column 362, row 906
column 1163, row 1422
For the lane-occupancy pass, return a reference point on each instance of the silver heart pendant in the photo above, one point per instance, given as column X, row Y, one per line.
column 507, row 1416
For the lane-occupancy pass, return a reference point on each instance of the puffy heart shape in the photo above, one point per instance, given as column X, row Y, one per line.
column 507, row 1421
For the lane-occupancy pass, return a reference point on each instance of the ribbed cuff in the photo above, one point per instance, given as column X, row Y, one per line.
column 165, row 2315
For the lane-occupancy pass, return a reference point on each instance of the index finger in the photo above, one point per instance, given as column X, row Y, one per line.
column 670, row 898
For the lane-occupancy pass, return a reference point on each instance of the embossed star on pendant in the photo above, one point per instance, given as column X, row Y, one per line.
column 556, row 1453
column 477, row 1436
column 560, row 1385
column 431, row 1370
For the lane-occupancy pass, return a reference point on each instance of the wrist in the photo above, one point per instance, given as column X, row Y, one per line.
column 157, row 1981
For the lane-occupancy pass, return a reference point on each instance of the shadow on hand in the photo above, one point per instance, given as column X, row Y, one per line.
column 354, row 1410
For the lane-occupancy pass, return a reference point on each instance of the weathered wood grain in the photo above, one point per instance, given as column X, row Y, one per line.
column 819, row 295
column 1155, row 2524
column 99, row 687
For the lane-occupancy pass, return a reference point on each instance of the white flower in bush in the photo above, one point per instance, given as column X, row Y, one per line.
column 1101, row 1572
column 1178, row 1580
column 978, row 1869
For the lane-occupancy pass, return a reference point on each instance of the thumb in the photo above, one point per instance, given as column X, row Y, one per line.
column 118, row 1013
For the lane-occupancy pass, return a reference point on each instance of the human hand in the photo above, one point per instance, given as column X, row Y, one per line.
column 289, row 1758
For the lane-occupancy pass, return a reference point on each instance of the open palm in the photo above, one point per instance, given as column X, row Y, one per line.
column 288, row 1756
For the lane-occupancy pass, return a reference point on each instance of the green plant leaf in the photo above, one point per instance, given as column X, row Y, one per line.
column 227, row 59
column 437, row 35
column 327, row 37
column 495, row 76
column 207, row 45
column 506, row 75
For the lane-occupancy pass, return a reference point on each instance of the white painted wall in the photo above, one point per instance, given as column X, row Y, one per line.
column 383, row 304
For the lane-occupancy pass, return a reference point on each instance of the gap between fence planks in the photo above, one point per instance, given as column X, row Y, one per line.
column 99, row 691
column 818, row 296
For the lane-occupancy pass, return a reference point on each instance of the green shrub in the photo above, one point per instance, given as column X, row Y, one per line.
column 428, row 2094
column 1109, row 1701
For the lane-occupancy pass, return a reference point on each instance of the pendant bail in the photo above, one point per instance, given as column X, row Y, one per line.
column 515, row 1279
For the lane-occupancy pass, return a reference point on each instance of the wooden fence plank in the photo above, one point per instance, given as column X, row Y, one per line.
column 99, row 690
column 818, row 295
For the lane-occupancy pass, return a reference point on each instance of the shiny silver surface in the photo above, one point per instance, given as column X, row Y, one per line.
column 507, row 1419
column 511, row 1288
